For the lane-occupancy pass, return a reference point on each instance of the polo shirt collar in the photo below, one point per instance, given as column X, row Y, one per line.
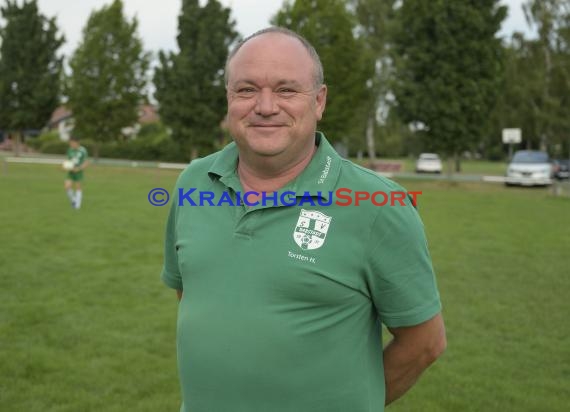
column 317, row 179
column 225, row 166
column 320, row 176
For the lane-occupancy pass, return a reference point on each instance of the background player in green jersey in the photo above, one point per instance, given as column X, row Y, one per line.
column 76, row 154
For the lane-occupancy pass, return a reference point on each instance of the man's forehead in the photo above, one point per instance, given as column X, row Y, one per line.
column 280, row 52
column 274, row 80
column 272, row 39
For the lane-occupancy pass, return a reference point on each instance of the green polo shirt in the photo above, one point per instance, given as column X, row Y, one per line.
column 282, row 305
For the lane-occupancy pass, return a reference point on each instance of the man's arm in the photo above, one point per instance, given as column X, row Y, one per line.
column 179, row 294
column 409, row 353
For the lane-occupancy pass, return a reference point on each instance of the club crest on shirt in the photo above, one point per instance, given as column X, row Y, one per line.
column 311, row 229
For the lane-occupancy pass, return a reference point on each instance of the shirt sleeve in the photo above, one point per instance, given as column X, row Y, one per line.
column 401, row 277
column 170, row 270
column 79, row 156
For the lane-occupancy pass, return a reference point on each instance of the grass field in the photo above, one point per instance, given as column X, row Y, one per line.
column 86, row 325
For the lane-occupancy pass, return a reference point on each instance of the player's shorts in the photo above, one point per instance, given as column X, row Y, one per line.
column 75, row 176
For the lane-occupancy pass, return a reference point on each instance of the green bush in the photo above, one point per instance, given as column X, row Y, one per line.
column 89, row 145
column 113, row 150
column 46, row 137
column 50, row 143
column 143, row 149
column 171, row 152
column 151, row 130
column 54, row 147
column 153, row 143
column 156, row 148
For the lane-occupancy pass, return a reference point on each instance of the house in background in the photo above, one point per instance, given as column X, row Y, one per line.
column 147, row 114
column 62, row 121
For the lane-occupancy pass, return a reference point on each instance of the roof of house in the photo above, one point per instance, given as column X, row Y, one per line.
column 147, row 114
column 60, row 114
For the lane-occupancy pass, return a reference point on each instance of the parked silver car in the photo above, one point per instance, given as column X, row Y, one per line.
column 529, row 168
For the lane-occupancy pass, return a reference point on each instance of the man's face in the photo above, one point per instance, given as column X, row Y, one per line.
column 273, row 103
column 74, row 144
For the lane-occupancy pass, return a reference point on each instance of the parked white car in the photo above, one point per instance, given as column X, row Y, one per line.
column 529, row 168
column 428, row 163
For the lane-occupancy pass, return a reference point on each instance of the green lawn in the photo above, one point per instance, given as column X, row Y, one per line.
column 86, row 325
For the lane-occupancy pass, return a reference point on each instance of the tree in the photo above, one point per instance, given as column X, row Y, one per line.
column 520, row 101
column 329, row 26
column 550, row 58
column 536, row 94
column 449, row 67
column 29, row 68
column 563, row 47
column 189, row 84
column 108, row 78
column 376, row 21
column 514, row 108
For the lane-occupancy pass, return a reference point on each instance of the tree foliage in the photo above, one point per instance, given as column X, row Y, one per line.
column 549, row 58
column 536, row 92
column 436, row 66
column 30, row 68
column 449, row 66
column 376, row 23
column 108, row 78
column 329, row 26
column 189, row 84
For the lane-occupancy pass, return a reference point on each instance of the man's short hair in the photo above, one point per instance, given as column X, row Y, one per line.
column 318, row 75
column 73, row 139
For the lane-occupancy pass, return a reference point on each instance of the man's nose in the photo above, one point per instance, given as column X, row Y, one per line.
column 266, row 104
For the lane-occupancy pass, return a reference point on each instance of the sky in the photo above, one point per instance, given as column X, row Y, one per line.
column 158, row 19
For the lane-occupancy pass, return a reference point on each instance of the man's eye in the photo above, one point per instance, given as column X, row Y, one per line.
column 246, row 90
column 286, row 92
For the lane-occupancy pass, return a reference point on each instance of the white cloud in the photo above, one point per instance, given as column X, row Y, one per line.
column 158, row 19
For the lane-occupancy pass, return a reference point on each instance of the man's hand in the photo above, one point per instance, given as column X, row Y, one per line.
column 411, row 351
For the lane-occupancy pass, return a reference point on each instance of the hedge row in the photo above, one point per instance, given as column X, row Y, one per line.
column 159, row 147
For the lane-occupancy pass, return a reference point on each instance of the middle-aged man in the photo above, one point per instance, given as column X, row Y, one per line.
column 281, row 306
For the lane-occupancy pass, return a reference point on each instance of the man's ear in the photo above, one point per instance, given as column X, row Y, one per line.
column 321, row 101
